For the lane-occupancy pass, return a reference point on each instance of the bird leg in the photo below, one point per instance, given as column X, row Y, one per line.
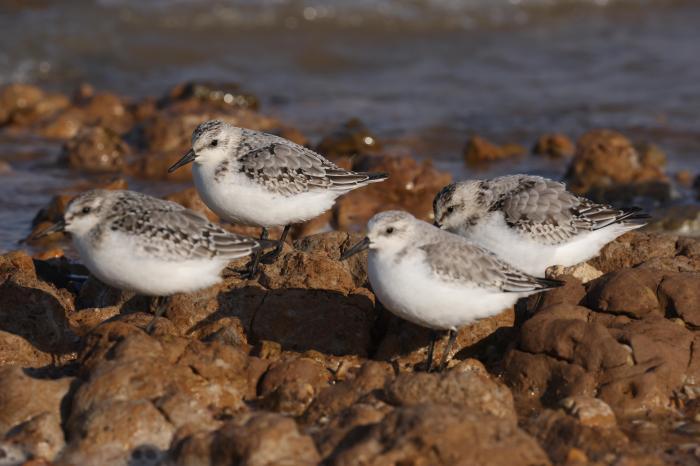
column 272, row 256
column 252, row 269
column 158, row 308
column 452, row 336
column 431, row 350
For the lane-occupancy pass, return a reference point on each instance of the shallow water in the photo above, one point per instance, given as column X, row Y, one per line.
column 426, row 73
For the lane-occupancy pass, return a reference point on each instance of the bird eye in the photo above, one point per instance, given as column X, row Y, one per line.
column 450, row 209
column 86, row 210
column 389, row 230
column 214, row 143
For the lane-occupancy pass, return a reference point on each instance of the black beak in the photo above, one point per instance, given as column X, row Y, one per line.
column 436, row 224
column 359, row 247
column 187, row 158
column 55, row 228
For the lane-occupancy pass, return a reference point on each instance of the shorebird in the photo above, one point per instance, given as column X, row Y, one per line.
column 259, row 179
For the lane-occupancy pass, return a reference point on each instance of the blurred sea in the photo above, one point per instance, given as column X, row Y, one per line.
column 422, row 72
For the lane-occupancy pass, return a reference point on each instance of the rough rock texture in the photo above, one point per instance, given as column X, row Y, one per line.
column 479, row 151
column 97, row 150
column 607, row 166
column 554, row 145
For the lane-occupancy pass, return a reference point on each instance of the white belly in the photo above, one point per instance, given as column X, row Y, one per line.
column 409, row 290
column 533, row 257
column 235, row 199
column 116, row 264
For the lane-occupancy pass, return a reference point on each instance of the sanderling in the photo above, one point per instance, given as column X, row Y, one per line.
column 437, row 279
column 153, row 247
column 530, row 221
column 263, row 180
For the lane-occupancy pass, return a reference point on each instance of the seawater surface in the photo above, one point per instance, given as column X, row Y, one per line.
column 426, row 73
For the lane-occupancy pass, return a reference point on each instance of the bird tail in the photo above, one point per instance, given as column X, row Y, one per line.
column 548, row 283
column 376, row 177
column 631, row 217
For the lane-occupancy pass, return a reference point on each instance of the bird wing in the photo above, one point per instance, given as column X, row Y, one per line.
column 458, row 260
column 288, row 168
column 168, row 231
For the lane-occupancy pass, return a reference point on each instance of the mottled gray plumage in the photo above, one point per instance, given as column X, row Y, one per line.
column 283, row 167
column 541, row 208
column 455, row 259
column 161, row 229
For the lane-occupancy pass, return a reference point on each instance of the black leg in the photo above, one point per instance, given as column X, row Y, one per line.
column 158, row 308
column 253, row 267
column 452, row 336
column 272, row 256
column 431, row 350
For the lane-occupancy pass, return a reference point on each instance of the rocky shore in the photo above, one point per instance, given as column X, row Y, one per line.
column 303, row 366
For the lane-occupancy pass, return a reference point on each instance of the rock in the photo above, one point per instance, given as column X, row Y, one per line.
column 565, row 438
column 290, row 386
column 590, row 411
column 223, row 95
column 96, row 150
column 679, row 295
column 679, row 220
column 113, row 429
column 17, row 350
column 440, row 435
column 406, row 344
column 479, row 151
column 102, row 109
column 469, row 390
column 23, row 105
column 40, row 436
column 352, row 138
column 583, row 272
column 607, row 160
column 411, row 186
column 23, row 397
column 633, row 249
column 684, row 178
column 33, row 309
column 12, row 455
column 630, row 292
column 261, row 439
column 554, row 145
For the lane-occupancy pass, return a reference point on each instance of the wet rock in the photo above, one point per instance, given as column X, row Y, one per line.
column 411, row 186
column 290, row 386
column 23, row 397
column 479, row 151
column 22, row 105
column 40, row 436
column 679, row 220
column 261, row 439
column 470, row 390
column 352, row 138
column 554, row 145
column 606, row 159
column 103, row 109
column 590, row 411
column 439, row 434
column 223, row 95
column 97, row 150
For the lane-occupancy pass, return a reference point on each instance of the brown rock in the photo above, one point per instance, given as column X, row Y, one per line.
column 605, row 158
column 590, row 411
column 290, row 386
column 41, row 436
column 103, row 109
column 222, row 95
column 114, row 428
column 97, row 150
column 632, row 249
column 629, row 291
column 411, row 186
column 352, row 138
column 470, row 390
column 554, row 145
column 261, row 439
column 32, row 308
column 479, row 151
column 23, row 397
column 17, row 350
column 679, row 295
column 17, row 98
column 440, row 435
